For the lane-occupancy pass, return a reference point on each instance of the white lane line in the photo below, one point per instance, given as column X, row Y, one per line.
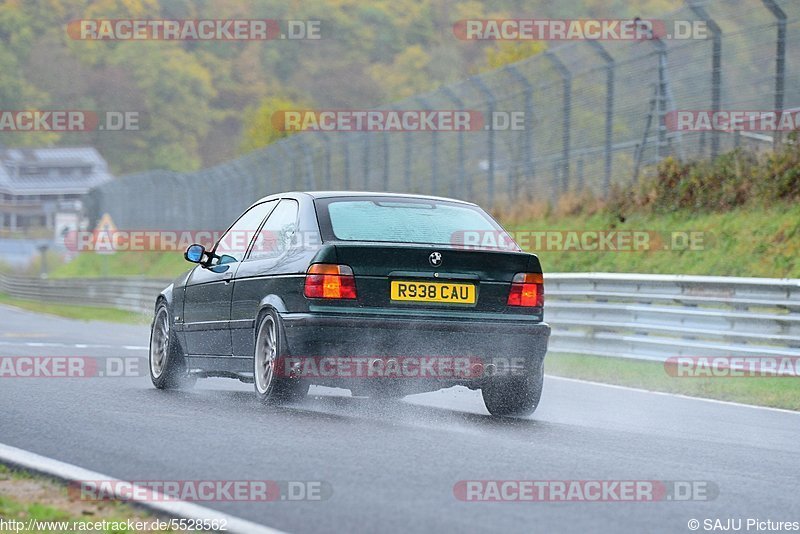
column 177, row 509
column 30, row 344
column 40, row 344
column 677, row 395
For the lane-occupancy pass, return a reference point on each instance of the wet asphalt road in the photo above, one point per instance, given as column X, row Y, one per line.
column 393, row 465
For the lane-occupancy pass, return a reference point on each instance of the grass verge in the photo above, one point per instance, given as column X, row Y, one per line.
column 775, row 392
column 70, row 311
column 148, row 264
column 762, row 242
column 25, row 498
column 746, row 241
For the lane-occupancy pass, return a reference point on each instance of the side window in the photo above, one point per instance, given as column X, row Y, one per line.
column 277, row 233
column 233, row 244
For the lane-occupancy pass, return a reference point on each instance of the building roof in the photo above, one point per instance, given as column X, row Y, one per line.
column 43, row 171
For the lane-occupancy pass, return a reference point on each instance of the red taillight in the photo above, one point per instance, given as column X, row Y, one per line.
column 527, row 289
column 328, row 281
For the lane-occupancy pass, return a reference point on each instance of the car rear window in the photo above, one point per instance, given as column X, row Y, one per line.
column 404, row 220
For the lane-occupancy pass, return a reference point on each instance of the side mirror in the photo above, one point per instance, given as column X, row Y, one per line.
column 195, row 253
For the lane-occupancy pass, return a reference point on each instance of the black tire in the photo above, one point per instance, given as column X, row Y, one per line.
column 166, row 360
column 514, row 395
column 269, row 350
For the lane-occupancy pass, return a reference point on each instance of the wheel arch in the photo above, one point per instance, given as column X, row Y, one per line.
column 274, row 302
column 165, row 296
column 268, row 304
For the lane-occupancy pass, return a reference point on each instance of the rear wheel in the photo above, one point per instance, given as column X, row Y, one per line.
column 167, row 363
column 514, row 395
column 270, row 346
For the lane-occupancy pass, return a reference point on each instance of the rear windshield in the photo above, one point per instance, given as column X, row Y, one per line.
column 402, row 220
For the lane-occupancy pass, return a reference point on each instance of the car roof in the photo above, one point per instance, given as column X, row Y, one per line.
column 336, row 194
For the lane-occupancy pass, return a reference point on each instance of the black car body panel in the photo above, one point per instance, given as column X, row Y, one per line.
column 215, row 309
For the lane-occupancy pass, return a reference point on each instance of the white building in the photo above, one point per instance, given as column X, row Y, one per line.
column 37, row 185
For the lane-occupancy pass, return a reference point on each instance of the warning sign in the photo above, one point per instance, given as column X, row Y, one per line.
column 103, row 235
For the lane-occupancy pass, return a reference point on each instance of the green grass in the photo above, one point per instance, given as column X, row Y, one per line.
column 760, row 242
column 60, row 505
column 147, row 264
column 743, row 242
column 83, row 313
column 776, row 392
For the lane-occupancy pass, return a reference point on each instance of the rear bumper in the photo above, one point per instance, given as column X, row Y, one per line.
column 410, row 354
column 340, row 335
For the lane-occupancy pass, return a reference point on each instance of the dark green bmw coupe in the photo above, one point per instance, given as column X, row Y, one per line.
column 384, row 294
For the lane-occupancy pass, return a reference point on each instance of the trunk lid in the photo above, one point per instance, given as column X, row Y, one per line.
column 444, row 271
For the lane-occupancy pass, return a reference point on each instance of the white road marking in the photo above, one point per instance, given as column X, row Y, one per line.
column 70, row 345
column 178, row 509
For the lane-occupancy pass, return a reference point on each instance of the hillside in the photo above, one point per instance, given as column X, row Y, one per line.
column 194, row 97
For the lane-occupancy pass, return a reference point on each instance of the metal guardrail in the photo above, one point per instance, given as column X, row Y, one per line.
column 655, row 317
column 651, row 317
column 131, row 294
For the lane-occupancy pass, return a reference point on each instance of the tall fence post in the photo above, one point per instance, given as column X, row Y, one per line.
column 460, row 148
column 385, row 175
column 365, row 160
column 346, row 158
column 490, row 103
column 566, row 78
column 434, row 147
column 288, row 166
column 609, row 126
column 309, row 162
column 780, row 63
column 407, row 139
column 716, row 67
column 386, row 148
column 327, row 174
column 527, row 137
column 661, row 99
column 272, row 165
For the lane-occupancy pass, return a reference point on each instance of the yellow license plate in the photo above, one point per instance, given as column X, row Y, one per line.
column 433, row 292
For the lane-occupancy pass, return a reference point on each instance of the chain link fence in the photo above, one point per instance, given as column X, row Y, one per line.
column 596, row 114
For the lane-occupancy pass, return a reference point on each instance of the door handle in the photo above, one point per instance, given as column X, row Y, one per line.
column 227, row 278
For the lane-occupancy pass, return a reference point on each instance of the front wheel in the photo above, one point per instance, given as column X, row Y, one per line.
column 514, row 395
column 271, row 386
column 167, row 364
